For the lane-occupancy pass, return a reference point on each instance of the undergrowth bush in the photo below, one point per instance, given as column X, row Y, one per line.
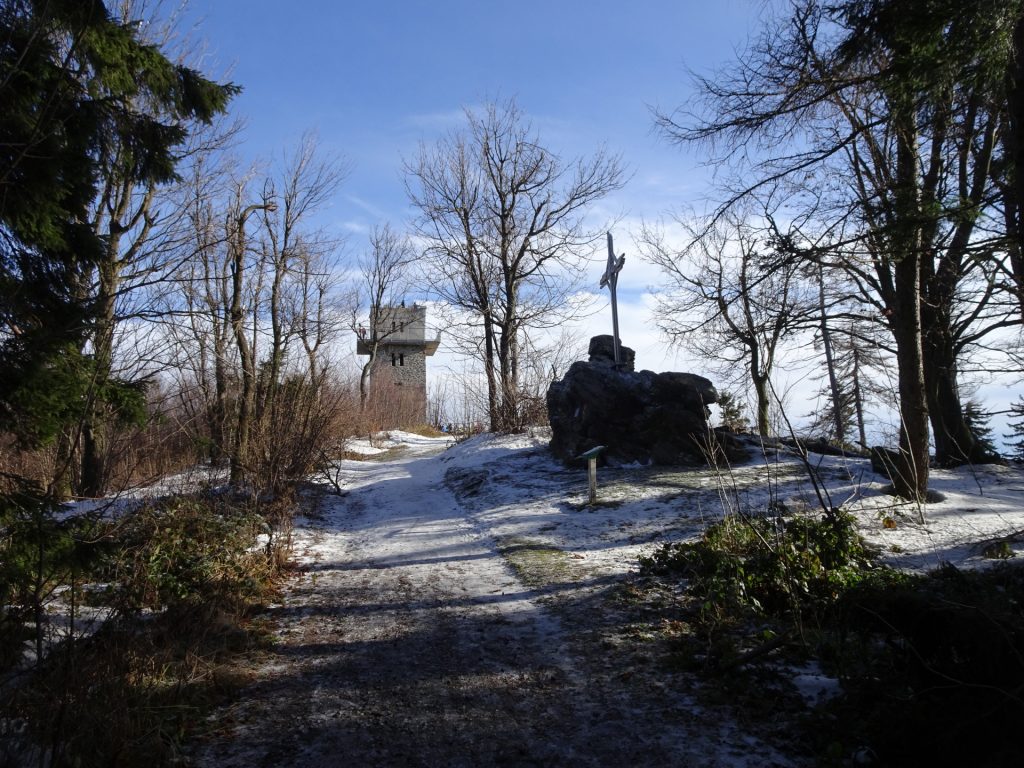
column 931, row 667
column 769, row 565
column 179, row 577
column 39, row 552
column 127, row 696
column 188, row 553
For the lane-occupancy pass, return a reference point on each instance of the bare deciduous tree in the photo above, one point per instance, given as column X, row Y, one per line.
column 731, row 299
column 139, row 214
column 289, row 244
column 894, row 119
column 259, row 286
column 385, row 277
column 503, row 220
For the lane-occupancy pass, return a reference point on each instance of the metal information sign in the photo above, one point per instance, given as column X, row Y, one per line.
column 591, row 457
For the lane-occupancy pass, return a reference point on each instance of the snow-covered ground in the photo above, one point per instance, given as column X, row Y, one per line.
column 511, row 486
column 454, row 605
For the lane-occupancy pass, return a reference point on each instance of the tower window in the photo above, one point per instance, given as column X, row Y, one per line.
column 392, row 358
column 401, row 359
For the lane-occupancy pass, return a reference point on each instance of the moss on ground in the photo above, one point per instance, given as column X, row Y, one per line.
column 538, row 565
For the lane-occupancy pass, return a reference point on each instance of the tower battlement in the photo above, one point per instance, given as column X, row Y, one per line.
column 397, row 326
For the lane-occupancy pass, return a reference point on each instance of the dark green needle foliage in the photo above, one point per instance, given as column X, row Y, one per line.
column 76, row 83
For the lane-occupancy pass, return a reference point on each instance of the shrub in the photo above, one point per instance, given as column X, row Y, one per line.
column 933, row 667
column 188, row 552
column 182, row 573
column 771, row 566
column 38, row 553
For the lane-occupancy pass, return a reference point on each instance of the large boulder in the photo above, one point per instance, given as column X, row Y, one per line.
column 644, row 417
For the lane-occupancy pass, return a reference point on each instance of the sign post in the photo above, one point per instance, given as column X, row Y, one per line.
column 591, row 457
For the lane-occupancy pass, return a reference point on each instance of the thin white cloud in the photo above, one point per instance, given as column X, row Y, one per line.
column 375, row 211
column 354, row 227
column 440, row 120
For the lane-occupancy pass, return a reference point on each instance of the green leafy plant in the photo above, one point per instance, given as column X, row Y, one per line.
column 767, row 565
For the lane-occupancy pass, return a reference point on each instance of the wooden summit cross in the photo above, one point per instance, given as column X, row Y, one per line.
column 611, row 279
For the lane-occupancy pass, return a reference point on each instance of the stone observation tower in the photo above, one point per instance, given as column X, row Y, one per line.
column 399, row 373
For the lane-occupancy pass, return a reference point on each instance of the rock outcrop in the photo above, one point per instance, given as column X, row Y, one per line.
column 645, row 417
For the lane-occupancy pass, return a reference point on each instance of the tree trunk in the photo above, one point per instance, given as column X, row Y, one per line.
column 219, row 409
column 858, row 400
column 246, row 402
column 277, row 343
column 217, row 300
column 493, row 412
column 246, row 354
column 838, row 416
column 912, row 477
column 508, row 351
column 95, row 445
column 364, row 378
column 904, row 235
column 1013, row 139
column 509, row 384
column 954, row 442
column 761, row 393
column 763, row 405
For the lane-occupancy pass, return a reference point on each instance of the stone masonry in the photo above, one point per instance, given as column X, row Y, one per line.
column 402, row 350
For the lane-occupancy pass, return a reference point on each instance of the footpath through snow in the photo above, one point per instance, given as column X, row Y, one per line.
column 408, row 640
column 459, row 608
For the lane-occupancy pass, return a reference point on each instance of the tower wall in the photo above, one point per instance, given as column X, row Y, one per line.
column 400, row 366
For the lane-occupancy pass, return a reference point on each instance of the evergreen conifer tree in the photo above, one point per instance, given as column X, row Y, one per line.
column 1016, row 434
column 978, row 422
column 77, row 86
column 731, row 413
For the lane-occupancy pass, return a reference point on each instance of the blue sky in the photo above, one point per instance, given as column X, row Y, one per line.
column 374, row 79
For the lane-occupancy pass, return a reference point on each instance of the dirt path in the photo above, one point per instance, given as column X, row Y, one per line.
column 407, row 639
